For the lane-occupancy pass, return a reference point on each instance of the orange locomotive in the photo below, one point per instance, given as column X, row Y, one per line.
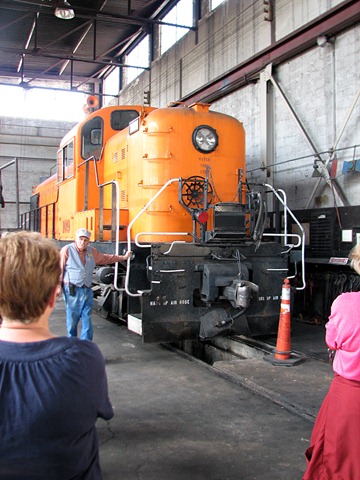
column 169, row 184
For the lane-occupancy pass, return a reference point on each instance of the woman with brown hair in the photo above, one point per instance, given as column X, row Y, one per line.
column 52, row 389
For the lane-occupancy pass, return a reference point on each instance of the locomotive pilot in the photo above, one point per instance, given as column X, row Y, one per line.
column 78, row 261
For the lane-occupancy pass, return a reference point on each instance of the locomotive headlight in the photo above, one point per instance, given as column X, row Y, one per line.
column 205, row 139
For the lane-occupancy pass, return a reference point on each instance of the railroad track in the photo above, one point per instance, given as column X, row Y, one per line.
column 299, row 389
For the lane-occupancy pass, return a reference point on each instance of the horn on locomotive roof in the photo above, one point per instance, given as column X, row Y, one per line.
column 91, row 104
column 92, row 101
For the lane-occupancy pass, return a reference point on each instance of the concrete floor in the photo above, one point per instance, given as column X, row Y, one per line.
column 177, row 419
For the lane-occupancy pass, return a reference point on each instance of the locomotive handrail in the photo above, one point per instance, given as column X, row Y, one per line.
column 175, row 242
column 179, row 270
column 286, row 234
column 171, row 246
column 35, row 216
column 280, row 190
column 296, row 235
column 142, row 245
column 117, row 219
column 127, row 275
column 17, row 203
column 157, row 132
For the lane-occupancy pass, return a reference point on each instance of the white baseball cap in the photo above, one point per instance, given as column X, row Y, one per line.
column 82, row 232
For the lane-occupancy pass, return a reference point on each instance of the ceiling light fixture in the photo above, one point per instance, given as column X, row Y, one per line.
column 64, row 10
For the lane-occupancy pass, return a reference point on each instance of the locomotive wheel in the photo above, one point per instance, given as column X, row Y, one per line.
column 193, row 191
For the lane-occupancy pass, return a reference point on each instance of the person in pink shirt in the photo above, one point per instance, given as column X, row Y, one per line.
column 334, row 451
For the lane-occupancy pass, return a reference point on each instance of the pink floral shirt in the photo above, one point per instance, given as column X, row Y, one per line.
column 343, row 335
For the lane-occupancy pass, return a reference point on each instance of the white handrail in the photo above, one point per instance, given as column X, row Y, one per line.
column 143, row 245
column 285, row 234
column 127, row 275
column 117, row 224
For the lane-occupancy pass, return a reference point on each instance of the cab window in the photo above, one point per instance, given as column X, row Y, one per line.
column 65, row 157
column 92, row 138
column 120, row 119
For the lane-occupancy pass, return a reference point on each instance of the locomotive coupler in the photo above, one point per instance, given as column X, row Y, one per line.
column 240, row 293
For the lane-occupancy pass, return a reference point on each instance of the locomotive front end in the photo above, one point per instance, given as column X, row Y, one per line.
column 200, row 268
column 170, row 185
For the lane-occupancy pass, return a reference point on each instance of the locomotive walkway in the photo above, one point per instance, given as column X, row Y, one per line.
column 178, row 418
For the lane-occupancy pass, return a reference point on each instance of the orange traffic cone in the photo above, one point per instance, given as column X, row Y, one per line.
column 282, row 354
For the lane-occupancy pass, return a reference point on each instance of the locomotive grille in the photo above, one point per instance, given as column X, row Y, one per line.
column 323, row 234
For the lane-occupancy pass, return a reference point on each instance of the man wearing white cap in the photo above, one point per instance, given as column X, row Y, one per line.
column 78, row 261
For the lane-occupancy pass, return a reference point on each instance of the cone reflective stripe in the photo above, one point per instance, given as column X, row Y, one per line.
column 283, row 342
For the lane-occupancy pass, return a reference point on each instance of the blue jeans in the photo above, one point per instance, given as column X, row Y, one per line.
column 79, row 308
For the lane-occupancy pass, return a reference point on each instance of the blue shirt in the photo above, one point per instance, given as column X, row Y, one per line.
column 51, row 393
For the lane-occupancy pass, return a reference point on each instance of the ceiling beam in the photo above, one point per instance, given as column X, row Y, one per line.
column 87, row 14
column 40, row 53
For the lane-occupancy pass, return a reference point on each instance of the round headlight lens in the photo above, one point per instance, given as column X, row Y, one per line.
column 205, row 139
